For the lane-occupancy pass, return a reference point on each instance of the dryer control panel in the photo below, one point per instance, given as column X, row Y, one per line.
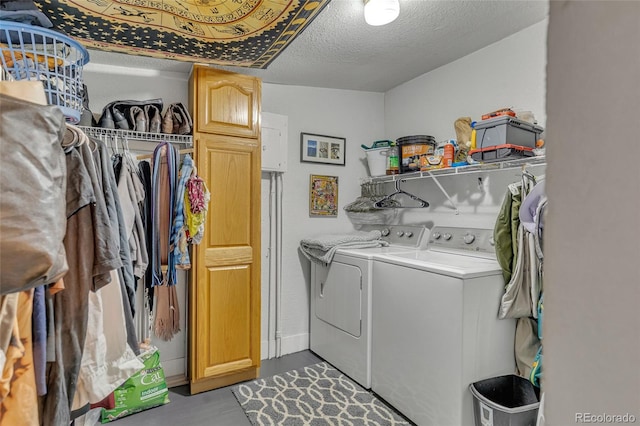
column 401, row 235
column 473, row 240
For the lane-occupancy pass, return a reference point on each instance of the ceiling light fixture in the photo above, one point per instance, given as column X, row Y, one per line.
column 381, row 12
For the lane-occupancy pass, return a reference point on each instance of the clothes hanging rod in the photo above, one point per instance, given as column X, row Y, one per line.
column 147, row 156
column 100, row 133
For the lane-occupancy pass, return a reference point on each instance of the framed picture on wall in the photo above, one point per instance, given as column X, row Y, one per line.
column 322, row 149
column 323, row 196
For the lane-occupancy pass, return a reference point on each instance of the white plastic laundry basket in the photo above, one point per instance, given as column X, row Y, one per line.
column 377, row 158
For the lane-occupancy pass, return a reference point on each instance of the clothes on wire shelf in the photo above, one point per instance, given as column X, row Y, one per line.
column 67, row 297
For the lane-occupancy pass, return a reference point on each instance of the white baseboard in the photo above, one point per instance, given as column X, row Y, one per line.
column 290, row 345
column 173, row 367
column 295, row 343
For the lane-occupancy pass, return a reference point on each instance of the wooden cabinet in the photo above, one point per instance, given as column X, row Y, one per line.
column 227, row 104
column 224, row 297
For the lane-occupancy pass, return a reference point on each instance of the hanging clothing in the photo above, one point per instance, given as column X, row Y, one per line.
column 165, row 170
column 107, row 360
column 40, row 339
column 518, row 255
column 20, row 405
column 167, row 322
column 180, row 231
column 8, row 307
column 145, row 173
column 132, row 195
column 92, row 253
column 526, row 345
column 126, row 279
column 70, row 306
column 196, row 204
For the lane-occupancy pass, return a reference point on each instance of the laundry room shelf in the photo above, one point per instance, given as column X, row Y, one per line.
column 472, row 168
column 100, row 133
column 521, row 163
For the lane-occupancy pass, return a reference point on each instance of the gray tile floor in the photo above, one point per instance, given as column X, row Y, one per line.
column 214, row 408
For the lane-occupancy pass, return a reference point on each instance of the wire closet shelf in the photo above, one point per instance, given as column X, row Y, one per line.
column 101, row 133
column 39, row 54
column 521, row 163
column 472, row 168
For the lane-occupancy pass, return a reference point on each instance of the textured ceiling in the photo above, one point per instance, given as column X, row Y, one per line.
column 339, row 50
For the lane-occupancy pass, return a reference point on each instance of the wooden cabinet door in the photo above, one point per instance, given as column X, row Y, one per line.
column 225, row 297
column 225, row 284
column 227, row 103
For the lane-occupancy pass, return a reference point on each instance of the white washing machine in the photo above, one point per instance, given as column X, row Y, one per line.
column 340, row 317
column 435, row 326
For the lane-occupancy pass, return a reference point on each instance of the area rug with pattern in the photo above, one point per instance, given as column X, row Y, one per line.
column 314, row 395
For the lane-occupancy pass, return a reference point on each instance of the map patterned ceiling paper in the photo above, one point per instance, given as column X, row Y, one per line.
column 245, row 33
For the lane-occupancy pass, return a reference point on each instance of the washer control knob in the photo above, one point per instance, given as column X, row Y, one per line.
column 469, row 238
column 409, row 234
column 385, row 232
column 400, row 233
column 436, row 235
column 447, row 236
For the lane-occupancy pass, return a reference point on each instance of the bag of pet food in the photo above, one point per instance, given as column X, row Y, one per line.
column 145, row 389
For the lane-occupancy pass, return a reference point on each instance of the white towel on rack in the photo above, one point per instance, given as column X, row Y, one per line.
column 321, row 249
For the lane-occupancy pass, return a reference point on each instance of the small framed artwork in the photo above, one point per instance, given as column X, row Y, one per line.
column 323, row 196
column 322, row 149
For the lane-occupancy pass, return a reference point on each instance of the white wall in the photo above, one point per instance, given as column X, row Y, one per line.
column 108, row 83
column 356, row 116
column 508, row 73
column 592, row 275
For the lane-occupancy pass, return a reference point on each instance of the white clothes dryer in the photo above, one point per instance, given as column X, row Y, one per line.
column 435, row 326
column 340, row 311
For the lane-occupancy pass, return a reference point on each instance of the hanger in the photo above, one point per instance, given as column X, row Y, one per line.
column 148, row 156
column 126, row 154
column 382, row 203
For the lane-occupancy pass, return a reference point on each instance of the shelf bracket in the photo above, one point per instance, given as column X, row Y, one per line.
column 453, row 205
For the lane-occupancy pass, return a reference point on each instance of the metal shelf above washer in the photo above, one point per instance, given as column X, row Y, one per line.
column 472, row 168
column 100, row 133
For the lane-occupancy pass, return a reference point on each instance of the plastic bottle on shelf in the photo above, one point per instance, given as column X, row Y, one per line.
column 394, row 163
column 447, row 157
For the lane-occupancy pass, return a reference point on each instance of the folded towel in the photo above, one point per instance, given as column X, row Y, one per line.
column 321, row 249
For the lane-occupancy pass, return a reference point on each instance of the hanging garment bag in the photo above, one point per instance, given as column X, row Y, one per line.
column 32, row 195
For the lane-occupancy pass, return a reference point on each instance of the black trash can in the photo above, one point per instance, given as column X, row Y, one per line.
column 505, row 401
